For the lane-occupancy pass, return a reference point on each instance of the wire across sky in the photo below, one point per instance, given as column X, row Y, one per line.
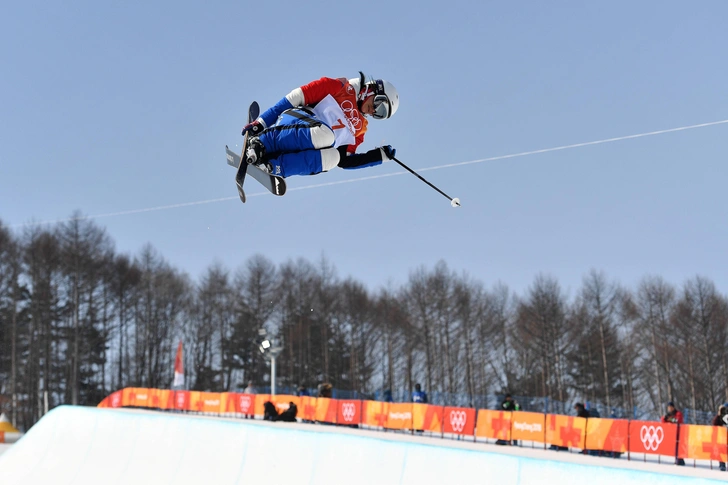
column 380, row 176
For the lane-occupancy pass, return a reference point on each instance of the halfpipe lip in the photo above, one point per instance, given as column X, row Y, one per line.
column 534, row 454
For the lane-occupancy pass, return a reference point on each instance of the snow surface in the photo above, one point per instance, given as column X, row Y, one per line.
column 82, row 445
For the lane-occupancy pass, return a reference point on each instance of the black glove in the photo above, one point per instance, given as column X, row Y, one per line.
column 254, row 128
column 387, row 153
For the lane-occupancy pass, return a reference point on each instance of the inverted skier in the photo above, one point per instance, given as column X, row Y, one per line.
column 319, row 126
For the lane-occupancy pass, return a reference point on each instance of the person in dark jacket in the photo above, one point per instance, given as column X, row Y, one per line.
column 721, row 419
column 673, row 415
column 508, row 404
column 270, row 413
column 581, row 410
column 325, row 390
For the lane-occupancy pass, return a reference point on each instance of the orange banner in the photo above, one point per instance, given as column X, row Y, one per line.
column 283, row 401
column 348, row 412
column 374, row 413
column 399, row 416
column 652, row 438
column 205, row 402
column 307, row 409
column 427, row 417
column 607, row 434
column 528, row 427
column 165, row 399
column 326, row 410
column 703, row 442
column 113, row 400
column 566, row 431
column 494, row 424
column 227, row 402
column 260, row 400
column 459, row 421
column 136, row 396
column 152, row 398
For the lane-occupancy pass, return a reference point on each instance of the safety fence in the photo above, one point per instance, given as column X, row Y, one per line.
column 544, row 405
column 618, row 436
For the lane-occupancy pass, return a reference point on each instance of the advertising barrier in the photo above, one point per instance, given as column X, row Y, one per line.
column 610, row 435
column 326, row 410
column 459, row 421
column 307, row 409
column 399, row 416
column 703, row 442
column 375, row 414
column 494, row 424
column 427, row 417
column 568, row 431
column 652, row 438
column 528, row 427
column 244, row 403
column 349, row 412
column 607, row 435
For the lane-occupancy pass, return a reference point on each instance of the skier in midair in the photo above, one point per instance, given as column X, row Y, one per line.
column 319, row 126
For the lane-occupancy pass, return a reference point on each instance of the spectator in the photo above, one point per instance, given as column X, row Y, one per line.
column 289, row 415
column 250, row 389
column 674, row 415
column 581, row 410
column 419, row 395
column 302, row 391
column 593, row 412
column 325, row 390
column 388, row 396
column 720, row 419
column 271, row 413
column 508, row 404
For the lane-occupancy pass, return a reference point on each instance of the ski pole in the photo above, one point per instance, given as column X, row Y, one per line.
column 453, row 202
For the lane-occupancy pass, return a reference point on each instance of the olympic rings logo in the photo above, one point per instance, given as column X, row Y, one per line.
column 651, row 437
column 352, row 114
column 458, row 420
column 348, row 410
column 244, row 403
column 180, row 400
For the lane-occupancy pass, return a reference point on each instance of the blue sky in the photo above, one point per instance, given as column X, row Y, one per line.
column 111, row 107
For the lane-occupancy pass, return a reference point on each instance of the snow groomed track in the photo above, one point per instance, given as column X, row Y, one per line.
column 75, row 445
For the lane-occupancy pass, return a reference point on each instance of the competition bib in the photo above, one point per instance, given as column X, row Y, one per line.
column 329, row 111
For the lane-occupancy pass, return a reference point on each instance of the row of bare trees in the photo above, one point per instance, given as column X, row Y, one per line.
column 79, row 320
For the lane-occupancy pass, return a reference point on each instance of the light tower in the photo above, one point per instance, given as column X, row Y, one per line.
column 270, row 351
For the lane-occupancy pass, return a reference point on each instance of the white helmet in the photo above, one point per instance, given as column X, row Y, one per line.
column 386, row 99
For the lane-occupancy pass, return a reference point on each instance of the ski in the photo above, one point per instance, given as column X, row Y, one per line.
column 253, row 112
column 275, row 184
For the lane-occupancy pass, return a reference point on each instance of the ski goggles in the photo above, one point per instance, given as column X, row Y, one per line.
column 381, row 106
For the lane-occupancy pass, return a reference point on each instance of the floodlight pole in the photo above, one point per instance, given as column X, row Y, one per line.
column 273, row 375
